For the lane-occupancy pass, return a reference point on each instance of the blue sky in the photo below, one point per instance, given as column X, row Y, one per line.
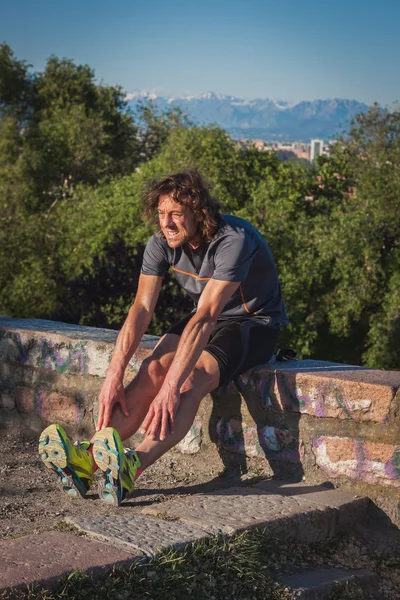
column 292, row 50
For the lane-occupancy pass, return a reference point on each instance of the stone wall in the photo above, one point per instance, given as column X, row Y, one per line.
column 54, row 372
column 319, row 421
column 309, row 420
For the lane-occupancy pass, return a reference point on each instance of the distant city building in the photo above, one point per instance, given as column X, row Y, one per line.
column 317, row 148
column 299, row 149
column 259, row 144
column 288, row 150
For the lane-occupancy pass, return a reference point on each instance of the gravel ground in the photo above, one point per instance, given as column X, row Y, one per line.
column 32, row 501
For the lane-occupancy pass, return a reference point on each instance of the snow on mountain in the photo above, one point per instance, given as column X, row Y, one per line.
column 141, row 96
column 262, row 117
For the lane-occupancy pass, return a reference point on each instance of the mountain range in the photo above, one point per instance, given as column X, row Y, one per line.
column 264, row 119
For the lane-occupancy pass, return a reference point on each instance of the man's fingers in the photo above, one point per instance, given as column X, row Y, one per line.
column 100, row 417
column 147, row 421
column 164, row 425
column 155, row 425
column 171, row 415
column 145, row 425
column 107, row 416
column 152, row 430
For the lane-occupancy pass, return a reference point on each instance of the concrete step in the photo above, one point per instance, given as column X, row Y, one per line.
column 288, row 511
column 138, row 534
column 48, row 556
column 318, row 584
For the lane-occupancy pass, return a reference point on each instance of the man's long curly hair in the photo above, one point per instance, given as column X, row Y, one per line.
column 189, row 188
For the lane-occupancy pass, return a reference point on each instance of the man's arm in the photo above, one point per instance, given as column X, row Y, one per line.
column 128, row 340
column 193, row 340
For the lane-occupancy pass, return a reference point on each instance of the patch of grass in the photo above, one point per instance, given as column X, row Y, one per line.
column 65, row 526
column 217, row 568
column 348, row 591
column 241, row 567
column 167, row 517
column 159, row 498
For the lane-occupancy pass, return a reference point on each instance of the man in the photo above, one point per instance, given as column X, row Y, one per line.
column 227, row 267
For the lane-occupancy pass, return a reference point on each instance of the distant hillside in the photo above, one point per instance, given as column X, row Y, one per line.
column 264, row 118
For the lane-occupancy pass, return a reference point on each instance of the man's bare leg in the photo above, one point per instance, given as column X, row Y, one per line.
column 56, row 449
column 204, row 379
column 120, row 468
column 143, row 388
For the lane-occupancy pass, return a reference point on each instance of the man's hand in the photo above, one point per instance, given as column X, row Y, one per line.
column 111, row 393
column 160, row 419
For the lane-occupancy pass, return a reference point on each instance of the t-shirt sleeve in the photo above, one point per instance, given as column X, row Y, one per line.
column 233, row 257
column 155, row 259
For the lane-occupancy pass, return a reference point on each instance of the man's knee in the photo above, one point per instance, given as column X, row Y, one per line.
column 202, row 379
column 151, row 372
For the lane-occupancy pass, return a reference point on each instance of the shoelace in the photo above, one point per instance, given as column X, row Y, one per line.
column 131, row 454
column 78, row 445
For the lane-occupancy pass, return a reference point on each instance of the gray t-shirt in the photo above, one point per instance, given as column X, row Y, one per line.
column 238, row 253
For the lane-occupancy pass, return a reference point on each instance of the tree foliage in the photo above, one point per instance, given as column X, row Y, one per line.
column 363, row 237
column 73, row 166
column 15, row 84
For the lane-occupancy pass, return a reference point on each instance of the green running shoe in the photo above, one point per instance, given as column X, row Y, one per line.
column 119, row 466
column 73, row 463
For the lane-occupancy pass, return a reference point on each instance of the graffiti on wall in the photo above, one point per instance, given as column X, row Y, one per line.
column 191, row 443
column 324, row 398
column 49, row 405
column 17, row 343
column 28, row 349
column 370, row 462
column 327, row 400
column 43, row 353
column 75, row 359
column 263, row 441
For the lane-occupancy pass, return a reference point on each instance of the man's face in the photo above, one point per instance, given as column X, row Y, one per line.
column 178, row 223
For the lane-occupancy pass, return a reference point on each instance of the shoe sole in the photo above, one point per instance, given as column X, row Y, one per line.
column 54, row 454
column 107, row 457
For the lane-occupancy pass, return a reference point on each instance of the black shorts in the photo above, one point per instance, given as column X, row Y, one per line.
column 237, row 344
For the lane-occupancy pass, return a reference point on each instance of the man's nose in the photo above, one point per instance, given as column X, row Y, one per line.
column 166, row 221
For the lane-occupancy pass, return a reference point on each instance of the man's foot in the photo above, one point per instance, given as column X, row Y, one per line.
column 72, row 463
column 119, row 466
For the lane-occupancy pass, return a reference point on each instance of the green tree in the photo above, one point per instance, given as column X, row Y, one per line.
column 15, row 84
column 98, row 219
column 155, row 126
column 80, row 131
column 74, row 164
column 58, row 129
column 360, row 238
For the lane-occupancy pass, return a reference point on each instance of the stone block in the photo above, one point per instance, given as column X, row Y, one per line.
column 191, row 443
column 49, row 406
column 237, row 508
column 302, row 416
column 59, row 407
column 63, row 348
column 25, row 399
column 319, row 584
column 6, row 372
column 6, row 400
column 323, row 389
column 46, row 557
column 347, row 509
column 138, row 533
column 259, row 440
column 357, row 459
